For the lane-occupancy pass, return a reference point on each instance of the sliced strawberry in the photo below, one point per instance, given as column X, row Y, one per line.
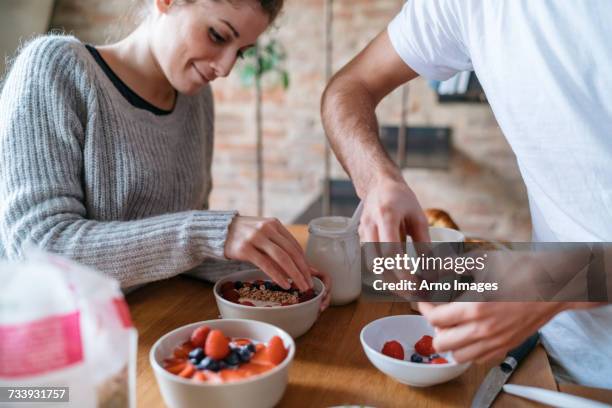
column 198, row 337
column 439, row 360
column 176, row 368
column 183, row 350
column 199, row 376
column 217, row 345
column 188, row 371
column 276, row 350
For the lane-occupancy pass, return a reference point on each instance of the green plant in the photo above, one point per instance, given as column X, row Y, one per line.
column 264, row 58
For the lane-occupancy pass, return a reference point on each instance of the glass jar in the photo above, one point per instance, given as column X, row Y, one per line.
column 336, row 251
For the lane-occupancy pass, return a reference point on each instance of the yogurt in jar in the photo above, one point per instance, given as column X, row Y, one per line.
column 336, row 251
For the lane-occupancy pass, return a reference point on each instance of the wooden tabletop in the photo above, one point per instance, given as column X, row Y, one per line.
column 330, row 367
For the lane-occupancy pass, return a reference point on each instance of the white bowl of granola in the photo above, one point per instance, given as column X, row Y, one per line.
column 251, row 295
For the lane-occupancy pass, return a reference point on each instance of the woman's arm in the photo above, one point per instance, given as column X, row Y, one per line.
column 42, row 120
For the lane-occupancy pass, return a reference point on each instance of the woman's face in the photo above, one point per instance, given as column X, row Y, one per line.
column 198, row 42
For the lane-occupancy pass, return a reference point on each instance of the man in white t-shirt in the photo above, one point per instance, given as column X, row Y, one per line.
column 544, row 66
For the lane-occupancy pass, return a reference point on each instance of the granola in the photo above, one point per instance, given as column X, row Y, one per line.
column 266, row 295
column 263, row 294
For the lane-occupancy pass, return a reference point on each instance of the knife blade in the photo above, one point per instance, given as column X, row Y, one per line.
column 498, row 375
column 553, row 398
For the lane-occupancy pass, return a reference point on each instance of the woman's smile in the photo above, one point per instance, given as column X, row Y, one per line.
column 204, row 78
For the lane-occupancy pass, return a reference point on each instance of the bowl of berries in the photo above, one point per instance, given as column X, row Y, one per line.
column 223, row 363
column 252, row 295
column 401, row 347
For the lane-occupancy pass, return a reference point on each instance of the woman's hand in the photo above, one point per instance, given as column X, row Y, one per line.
column 267, row 244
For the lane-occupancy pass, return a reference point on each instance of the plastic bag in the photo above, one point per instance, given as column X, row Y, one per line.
column 65, row 325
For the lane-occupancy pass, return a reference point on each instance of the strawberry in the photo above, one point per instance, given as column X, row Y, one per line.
column 176, row 368
column 425, row 346
column 198, row 337
column 393, row 349
column 183, row 350
column 276, row 350
column 439, row 360
column 188, row 371
column 199, row 376
column 217, row 345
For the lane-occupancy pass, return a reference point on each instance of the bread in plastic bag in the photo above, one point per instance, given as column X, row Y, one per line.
column 65, row 325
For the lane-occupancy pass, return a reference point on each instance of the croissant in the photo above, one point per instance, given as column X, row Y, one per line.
column 439, row 218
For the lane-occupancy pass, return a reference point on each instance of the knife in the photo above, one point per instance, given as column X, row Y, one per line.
column 553, row 398
column 498, row 375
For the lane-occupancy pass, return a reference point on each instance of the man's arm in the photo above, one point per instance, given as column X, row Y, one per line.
column 391, row 209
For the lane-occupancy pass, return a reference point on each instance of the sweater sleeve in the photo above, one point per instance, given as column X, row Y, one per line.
column 41, row 195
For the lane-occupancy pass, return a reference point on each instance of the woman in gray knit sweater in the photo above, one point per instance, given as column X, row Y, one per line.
column 106, row 152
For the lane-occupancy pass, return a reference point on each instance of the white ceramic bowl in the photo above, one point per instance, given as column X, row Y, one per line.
column 295, row 319
column 406, row 329
column 263, row 390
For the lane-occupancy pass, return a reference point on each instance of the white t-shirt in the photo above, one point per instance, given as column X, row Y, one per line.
column 545, row 68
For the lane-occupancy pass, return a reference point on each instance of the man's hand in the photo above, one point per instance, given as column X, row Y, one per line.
column 486, row 331
column 267, row 244
column 391, row 211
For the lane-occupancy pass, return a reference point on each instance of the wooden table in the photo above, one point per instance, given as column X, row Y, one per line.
column 330, row 367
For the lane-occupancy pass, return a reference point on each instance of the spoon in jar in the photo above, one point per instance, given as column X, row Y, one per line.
column 354, row 221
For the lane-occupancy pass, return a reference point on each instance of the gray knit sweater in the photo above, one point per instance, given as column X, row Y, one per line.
column 85, row 174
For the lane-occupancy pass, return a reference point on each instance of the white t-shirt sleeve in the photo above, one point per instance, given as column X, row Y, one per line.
column 428, row 35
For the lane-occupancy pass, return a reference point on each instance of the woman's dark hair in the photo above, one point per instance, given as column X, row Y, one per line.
column 271, row 7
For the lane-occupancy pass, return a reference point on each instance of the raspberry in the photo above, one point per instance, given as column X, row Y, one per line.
column 226, row 286
column 425, row 346
column 393, row 349
column 231, row 294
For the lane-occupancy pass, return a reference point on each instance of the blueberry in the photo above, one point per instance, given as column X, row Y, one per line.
column 196, row 354
column 268, row 285
column 238, row 285
column 251, row 347
column 233, row 359
column 415, row 358
column 209, row 364
column 194, row 361
column 434, row 356
column 222, row 364
column 245, row 355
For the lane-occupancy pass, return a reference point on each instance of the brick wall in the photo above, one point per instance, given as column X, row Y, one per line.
column 482, row 190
